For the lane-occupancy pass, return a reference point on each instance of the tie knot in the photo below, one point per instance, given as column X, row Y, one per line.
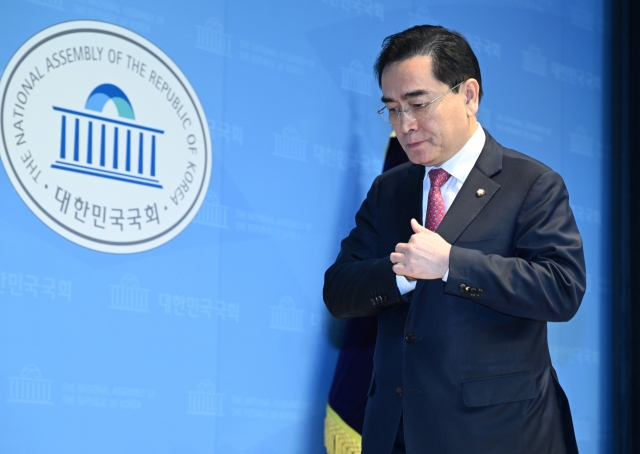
column 438, row 177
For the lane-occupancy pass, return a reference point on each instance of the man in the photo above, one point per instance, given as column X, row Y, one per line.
column 463, row 299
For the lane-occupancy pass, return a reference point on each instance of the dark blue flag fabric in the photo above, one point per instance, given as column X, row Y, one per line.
column 348, row 394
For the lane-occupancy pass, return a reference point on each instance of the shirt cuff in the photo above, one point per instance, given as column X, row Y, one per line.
column 406, row 286
column 446, row 275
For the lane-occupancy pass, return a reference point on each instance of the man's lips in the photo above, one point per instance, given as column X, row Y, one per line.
column 414, row 144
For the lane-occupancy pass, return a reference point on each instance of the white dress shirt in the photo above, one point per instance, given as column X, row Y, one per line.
column 459, row 167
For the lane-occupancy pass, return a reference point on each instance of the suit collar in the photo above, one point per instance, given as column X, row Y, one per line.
column 490, row 160
column 468, row 204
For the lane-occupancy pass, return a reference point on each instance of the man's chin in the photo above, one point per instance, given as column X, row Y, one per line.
column 422, row 153
column 424, row 158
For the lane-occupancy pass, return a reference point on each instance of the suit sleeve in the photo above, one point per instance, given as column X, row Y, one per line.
column 545, row 279
column 361, row 282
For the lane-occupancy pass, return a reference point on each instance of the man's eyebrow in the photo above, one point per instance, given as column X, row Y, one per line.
column 414, row 94
column 410, row 94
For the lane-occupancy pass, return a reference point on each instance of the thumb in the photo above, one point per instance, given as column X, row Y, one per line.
column 417, row 228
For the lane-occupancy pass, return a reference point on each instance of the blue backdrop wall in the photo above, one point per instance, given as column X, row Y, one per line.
column 218, row 341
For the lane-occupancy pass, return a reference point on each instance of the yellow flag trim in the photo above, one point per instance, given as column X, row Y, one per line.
column 339, row 437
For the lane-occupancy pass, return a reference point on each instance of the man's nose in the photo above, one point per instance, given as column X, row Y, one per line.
column 406, row 123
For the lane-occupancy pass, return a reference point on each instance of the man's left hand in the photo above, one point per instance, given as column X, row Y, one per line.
column 425, row 256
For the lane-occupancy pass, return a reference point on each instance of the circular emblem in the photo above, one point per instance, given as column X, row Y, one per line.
column 103, row 137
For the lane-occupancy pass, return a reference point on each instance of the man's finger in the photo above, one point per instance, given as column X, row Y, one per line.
column 417, row 227
column 398, row 268
column 402, row 247
column 396, row 257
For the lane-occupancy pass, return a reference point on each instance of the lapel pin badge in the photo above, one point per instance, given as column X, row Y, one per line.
column 480, row 192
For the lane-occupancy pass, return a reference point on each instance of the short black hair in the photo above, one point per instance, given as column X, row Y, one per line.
column 453, row 60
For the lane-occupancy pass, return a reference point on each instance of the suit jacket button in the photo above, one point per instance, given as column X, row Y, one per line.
column 467, row 290
column 463, row 288
column 378, row 299
column 373, row 301
column 399, row 392
column 410, row 337
column 473, row 292
column 384, row 298
column 479, row 292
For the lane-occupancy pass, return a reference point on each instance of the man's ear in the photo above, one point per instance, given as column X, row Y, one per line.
column 471, row 91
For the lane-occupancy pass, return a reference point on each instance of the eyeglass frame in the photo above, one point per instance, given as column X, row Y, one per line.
column 399, row 112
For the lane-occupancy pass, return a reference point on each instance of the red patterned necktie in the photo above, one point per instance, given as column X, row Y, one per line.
column 435, row 204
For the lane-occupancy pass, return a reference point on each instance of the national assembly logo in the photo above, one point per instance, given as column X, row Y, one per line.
column 103, row 137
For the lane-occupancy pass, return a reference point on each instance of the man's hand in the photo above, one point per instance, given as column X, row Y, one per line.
column 425, row 256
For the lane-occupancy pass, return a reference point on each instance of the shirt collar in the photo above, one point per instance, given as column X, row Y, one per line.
column 461, row 163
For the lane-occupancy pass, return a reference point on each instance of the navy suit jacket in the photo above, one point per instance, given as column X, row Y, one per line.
column 466, row 361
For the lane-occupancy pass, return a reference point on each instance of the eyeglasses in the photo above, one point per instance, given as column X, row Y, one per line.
column 414, row 112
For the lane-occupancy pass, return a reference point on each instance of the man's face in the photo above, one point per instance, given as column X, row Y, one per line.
column 447, row 123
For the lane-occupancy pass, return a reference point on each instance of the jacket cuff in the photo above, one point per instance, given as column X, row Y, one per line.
column 459, row 281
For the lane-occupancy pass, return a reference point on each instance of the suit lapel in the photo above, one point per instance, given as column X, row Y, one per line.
column 409, row 200
column 467, row 204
